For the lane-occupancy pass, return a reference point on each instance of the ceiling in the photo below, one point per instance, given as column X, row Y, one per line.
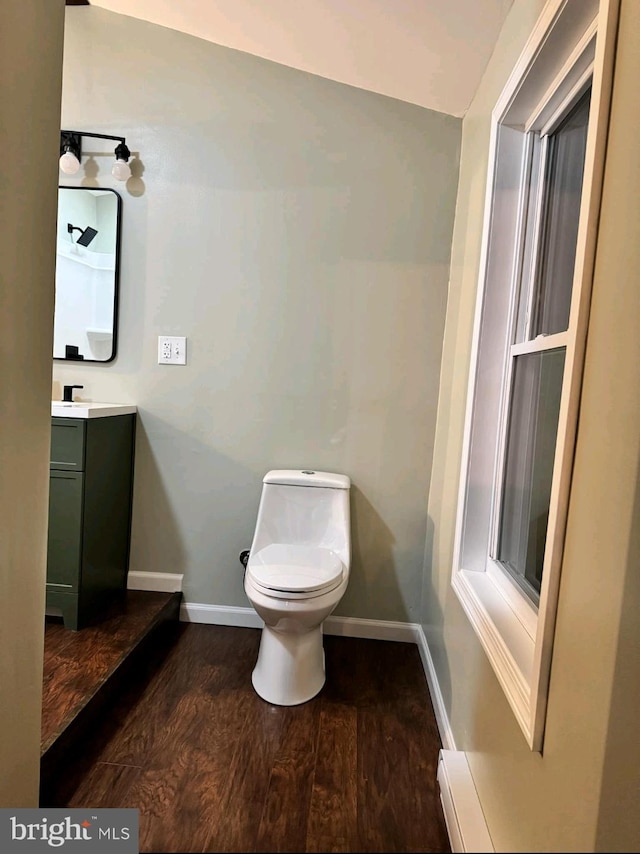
column 426, row 52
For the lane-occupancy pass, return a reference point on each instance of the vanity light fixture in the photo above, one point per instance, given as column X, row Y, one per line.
column 121, row 170
column 71, row 151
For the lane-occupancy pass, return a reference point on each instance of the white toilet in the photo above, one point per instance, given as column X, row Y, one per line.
column 297, row 572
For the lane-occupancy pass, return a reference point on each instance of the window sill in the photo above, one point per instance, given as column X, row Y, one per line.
column 508, row 645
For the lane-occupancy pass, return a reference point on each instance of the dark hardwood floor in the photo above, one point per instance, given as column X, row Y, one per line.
column 212, row 767
column 78, row 664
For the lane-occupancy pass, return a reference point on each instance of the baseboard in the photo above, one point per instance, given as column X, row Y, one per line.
column 463, row 814
column 350, row 627
column 162, row 582
column 357, row 627
column 220, row 615
column 439, row 708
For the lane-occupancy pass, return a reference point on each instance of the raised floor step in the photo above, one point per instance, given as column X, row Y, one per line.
column 86, row 671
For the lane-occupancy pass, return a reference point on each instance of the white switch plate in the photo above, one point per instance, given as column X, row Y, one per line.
column 172, row 350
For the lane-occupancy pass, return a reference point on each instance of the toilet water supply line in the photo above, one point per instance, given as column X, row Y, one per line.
column 243, row 557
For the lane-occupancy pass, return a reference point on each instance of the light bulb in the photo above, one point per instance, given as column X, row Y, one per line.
column 121, row 170
column 69, row 163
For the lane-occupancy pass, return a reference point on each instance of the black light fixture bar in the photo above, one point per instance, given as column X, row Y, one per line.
column 72, row 140
column 94, row 135
column 71, row 143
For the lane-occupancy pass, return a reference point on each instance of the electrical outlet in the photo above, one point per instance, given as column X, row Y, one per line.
column 172, row 350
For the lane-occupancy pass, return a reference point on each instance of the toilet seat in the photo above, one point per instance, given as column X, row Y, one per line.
column 288, row 571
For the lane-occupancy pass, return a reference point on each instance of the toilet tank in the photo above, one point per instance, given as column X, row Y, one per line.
column 305, row 507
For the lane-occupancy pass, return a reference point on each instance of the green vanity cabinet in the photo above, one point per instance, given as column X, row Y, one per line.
column 90, row 494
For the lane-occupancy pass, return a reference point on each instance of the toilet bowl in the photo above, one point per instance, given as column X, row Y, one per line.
column 297, row 572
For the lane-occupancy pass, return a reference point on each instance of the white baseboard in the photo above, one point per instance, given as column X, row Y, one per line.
column 356, row 627
column 162, row 582
column 439, row 707
column 220, row 615
column 463, row 814
column 350, row 627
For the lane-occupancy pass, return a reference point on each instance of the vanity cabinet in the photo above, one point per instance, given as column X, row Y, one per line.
column 90, row 497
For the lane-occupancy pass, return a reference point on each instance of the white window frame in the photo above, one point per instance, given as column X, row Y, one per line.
column 573, row 42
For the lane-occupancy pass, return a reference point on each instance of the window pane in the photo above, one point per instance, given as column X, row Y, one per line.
column 531, row 442
column 530, row 202
column 563, row 191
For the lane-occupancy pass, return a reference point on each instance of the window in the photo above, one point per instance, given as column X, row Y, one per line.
column 548, row 136
column 535, row 357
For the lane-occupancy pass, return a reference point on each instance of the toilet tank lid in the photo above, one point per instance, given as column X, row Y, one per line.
column 307, row 477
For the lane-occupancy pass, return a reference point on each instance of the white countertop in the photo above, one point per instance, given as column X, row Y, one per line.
column 88, row 409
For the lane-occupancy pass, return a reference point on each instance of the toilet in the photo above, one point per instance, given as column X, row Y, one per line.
column 297, row 572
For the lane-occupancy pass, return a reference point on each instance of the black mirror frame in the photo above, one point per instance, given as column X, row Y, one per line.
column 116, row 277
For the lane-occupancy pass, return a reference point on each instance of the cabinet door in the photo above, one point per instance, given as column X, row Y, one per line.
column 68, row 443
column 65, row 530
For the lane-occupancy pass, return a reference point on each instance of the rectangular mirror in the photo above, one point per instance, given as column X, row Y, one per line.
column 87, row 274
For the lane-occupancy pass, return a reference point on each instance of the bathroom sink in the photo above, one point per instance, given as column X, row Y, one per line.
column 89, row 409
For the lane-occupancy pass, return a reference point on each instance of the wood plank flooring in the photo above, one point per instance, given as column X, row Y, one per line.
column 78, row 664
column 212, row 767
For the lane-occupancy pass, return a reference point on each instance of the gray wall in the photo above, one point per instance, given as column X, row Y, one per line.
column 298, row 232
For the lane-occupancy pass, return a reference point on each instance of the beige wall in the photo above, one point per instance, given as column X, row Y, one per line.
column 31, row 34
column 298, row 232
column 581, row 793
column 606, row 491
